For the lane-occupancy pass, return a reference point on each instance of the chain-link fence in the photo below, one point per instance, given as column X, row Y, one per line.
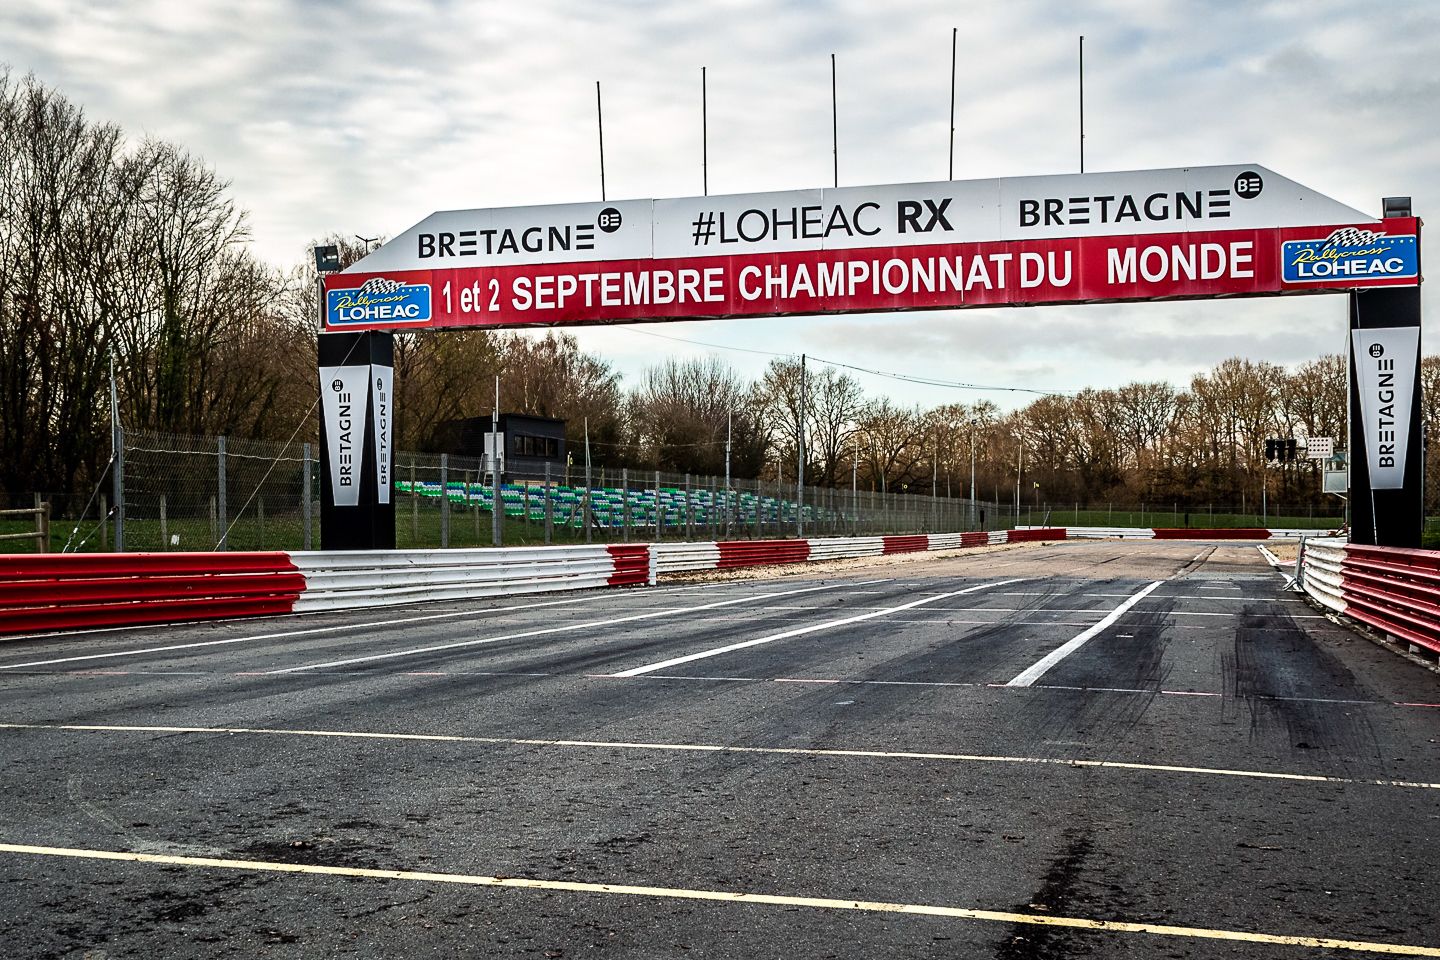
column 207, row 493
column 217, row 493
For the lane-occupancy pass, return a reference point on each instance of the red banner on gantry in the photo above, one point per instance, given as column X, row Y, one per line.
column 941, row 276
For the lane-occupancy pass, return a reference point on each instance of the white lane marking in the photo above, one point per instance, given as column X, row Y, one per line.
column 801, row 631
column 730, row 896
column 1039, row 668
column 309, row 631
column 71, row 636
column 545, row 631
column 729, row 748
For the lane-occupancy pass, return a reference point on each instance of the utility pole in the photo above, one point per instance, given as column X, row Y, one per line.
column 117, row 463
column 800, row 472
column 497, row 506
column 729, row 430
column 972, row 470
column 1019, row 469
column 585, row 514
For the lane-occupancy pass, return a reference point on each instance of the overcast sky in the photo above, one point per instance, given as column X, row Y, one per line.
column 363, row 117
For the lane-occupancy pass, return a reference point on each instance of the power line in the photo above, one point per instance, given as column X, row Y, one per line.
column 904, row 377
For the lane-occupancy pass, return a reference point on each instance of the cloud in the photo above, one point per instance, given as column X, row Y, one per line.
column 364, row 117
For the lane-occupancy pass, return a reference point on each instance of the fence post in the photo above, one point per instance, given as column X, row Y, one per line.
column 305, row 538
column 549, row 515
column 473, row 503
column 689, row 512
column 759, row 505
column 221, row 513
column 659, row 511
column 625, row 501
column 497, row 500
column 104, row 524
column 585, row 511
column 414, row 508
column 119, row 489
column 42, row 525
column 164, row 529
column 445, row 501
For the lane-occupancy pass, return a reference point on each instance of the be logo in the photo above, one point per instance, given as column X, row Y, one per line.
column 1248, row 185
column 1377, row 351
column 609, row 220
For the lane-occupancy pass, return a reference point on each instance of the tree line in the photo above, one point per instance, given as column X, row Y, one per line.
column 132, row 252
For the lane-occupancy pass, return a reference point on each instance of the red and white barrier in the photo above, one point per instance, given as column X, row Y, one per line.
column 84, row 591
column 1393, row 590
column 723, row 555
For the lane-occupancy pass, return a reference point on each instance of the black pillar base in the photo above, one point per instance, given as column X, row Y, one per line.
column 357, row 441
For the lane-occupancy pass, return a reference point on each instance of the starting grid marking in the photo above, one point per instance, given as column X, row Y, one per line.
column 731, row 897
column 903, row 755
column 828, row 681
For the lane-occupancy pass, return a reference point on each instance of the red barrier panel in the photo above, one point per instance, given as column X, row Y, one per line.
column 45, row 593
column 1200, row 533
column 1393, row 590
column 69, row 565
column 76, row 591
column 755, row 553
column 93, row 616
column 632, row 565
column 1030, row 536
column 976, row 538
column 912, row 544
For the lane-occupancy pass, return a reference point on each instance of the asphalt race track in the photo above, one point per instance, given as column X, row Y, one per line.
column 1103, row 749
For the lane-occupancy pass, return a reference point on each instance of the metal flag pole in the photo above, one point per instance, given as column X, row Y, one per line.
column 954, row 34
column 704, row 136
column 834, row 122
column 1082, row 104
column 600, row 126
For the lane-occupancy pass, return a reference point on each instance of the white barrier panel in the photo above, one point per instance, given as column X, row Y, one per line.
column 1320, row 574
column 838, row 548
column 1110, row 533
column 682, row 557
column 347, row 580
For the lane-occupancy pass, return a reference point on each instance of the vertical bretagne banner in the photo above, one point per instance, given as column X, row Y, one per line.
column 345, row 393
column 382, row 391
column 1385, row 361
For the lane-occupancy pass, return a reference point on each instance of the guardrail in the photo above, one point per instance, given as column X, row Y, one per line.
column 1192, row 533
column 723, row 555
column 41, row 535
column 1395, row 591
column 87, row 591
column 84, row 591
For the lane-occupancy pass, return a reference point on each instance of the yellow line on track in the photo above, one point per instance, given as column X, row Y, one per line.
column 765, row 899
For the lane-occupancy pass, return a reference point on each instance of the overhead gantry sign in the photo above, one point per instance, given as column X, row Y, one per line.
column 1184, row 233
column 1144, row 235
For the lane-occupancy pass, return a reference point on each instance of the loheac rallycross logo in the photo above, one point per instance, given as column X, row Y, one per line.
column 378, row 301
column 1350, row 253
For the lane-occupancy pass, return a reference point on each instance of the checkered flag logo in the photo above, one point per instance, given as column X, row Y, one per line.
column 380, row 285
column 1350, row 237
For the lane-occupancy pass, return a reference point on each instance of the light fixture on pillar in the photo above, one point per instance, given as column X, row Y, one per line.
column 327, row 259
column 1394, row 207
